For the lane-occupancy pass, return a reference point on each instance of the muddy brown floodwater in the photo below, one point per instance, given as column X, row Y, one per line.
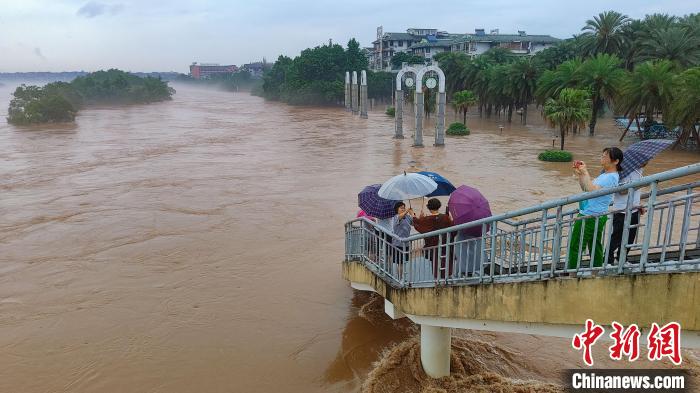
column 195, row 245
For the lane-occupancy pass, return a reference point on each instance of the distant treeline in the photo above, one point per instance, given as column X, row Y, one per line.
column 67, row 76
column 60, row 101
column 317, row 76
column 241, row 80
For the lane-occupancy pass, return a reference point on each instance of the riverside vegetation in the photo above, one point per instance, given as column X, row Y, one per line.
column 647, row 67
column 60, row 101
column 633, row 67
column 317, row 76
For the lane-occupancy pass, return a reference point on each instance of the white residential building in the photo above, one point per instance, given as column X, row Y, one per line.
column 520, row 44
column 392, row 43
column 429, row 42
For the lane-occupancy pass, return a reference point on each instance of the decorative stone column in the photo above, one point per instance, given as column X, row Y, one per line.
column 348, row 94
column 440, row 127
column 418, row 137
column 363, row 94
column 398, row 115
column 355, row 108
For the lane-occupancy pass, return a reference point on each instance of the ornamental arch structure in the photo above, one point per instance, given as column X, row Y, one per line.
column 398, row 116
column 440, row 125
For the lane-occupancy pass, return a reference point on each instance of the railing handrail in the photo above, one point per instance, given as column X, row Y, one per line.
column 644, row 181
column 665, row 191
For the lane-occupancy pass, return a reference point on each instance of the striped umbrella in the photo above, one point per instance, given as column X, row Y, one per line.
column 369, row 200
column 636, row 155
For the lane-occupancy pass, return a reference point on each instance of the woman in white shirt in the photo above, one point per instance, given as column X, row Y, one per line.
column 620, row 203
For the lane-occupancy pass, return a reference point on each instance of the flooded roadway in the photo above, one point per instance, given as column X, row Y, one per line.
column 195, row 245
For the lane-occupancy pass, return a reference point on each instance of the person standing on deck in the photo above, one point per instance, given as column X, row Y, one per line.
column 620, row 203
column 586, row 229
column 433, row 222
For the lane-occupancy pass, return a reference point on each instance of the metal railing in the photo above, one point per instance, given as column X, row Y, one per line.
column 540, row 242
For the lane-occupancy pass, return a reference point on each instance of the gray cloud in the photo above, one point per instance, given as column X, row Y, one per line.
column 92, row 9
column 37, row 52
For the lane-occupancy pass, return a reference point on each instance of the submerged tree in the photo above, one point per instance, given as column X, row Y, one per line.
column 462, row 100
column 648, row 89
column 567, row 74
column 685, row 109
column 60, row 101
column 33, row 104
column 571, row 108
column 523, row 75
column 603, row 76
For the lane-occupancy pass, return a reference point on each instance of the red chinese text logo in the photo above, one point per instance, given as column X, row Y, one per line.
column 665, row 342
column 586, row 340
column 662, row 342
column 626, row 342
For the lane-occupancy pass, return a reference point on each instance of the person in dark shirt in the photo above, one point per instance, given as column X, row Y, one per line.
column 433, row 222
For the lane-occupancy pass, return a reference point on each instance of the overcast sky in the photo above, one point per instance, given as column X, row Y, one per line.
column 146, row 35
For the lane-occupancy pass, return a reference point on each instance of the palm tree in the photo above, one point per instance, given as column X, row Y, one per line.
column 476, row 76
column 691, row 23
column 498, row 55
column 453, row 65
column 607, row 30
column 497, row 89
column 658, row 22
column 676, row 43
column 523, row 77
column 572, row 108
column 549, row 85
column 462, row 100
column 685, row 109
column 603, row 76
column 648, row 89
column 631, row 35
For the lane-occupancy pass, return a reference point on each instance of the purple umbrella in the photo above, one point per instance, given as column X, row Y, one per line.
column 369, row 200
column 466, row 205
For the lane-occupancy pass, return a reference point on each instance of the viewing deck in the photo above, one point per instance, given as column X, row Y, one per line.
column 516, row 276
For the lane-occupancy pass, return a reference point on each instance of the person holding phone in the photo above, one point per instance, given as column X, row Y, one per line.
column 593, row 225
column 401, row 227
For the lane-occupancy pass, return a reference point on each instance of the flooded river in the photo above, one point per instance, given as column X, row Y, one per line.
column 195, row 245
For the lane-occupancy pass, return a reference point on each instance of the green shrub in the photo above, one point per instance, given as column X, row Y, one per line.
column 458, row 129
column 391, row 111
column 555, row 156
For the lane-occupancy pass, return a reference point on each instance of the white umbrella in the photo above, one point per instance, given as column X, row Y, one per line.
column 407, row 186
